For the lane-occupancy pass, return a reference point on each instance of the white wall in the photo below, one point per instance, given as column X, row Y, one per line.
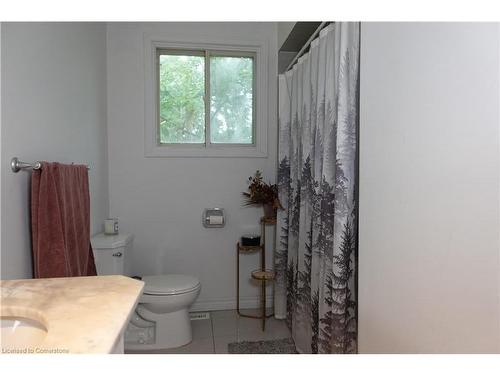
column 284, row 29
column 429, row 188
column 54, row 109
column 160, row 200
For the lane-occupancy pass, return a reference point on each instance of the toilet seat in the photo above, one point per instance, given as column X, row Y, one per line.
column 170, row 284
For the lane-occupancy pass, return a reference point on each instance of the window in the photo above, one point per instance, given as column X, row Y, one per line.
column 205, row 97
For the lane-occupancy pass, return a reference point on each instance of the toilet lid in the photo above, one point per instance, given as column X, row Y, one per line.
column 170, row 284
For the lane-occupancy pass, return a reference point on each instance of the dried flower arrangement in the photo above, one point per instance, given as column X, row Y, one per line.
column 261, row 192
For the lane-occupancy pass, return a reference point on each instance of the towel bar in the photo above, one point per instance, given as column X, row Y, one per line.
column 16, row 165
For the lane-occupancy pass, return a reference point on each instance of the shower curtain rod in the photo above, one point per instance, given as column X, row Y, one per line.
column 306, row 45
column 16, row 165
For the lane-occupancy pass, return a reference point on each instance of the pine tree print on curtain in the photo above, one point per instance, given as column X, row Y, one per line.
column 316, row 253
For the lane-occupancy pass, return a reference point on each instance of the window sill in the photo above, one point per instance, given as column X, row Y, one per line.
column 225, row 151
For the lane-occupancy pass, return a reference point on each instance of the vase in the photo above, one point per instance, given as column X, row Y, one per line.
column 269, row 211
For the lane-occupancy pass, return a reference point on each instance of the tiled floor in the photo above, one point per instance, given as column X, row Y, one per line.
column 211, row 336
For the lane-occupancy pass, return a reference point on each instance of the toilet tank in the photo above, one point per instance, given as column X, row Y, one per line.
column 110, row 252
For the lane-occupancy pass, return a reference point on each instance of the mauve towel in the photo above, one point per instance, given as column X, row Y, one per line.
column 60, row 221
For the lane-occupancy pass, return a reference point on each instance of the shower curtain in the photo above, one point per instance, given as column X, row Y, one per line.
column 316, row 255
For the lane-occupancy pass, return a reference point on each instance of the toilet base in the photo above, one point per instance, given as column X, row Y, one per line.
column 172, row 329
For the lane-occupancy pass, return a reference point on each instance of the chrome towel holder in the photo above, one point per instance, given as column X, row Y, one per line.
column 16, row 165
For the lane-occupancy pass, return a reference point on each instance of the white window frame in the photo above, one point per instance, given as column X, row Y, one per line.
column 152, row 147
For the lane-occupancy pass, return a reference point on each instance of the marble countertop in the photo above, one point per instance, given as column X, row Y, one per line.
column 81, row 314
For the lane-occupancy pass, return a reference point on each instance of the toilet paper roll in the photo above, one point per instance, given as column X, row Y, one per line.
column 215, row 220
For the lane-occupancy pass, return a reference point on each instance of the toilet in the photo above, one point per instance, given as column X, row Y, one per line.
column 161, row 319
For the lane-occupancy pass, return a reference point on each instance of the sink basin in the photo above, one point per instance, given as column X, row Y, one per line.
column 20, row 332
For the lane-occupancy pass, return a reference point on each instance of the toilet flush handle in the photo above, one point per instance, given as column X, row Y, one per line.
column 118, row 254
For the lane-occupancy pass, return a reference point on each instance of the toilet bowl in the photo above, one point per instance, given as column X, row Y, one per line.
column 165, row 302
column 161, row 319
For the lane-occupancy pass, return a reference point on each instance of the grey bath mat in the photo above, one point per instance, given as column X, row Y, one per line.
column 282, row 346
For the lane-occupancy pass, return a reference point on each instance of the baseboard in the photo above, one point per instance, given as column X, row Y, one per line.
column 230, row 304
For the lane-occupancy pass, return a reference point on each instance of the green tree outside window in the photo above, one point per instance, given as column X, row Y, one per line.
column 182, row 87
